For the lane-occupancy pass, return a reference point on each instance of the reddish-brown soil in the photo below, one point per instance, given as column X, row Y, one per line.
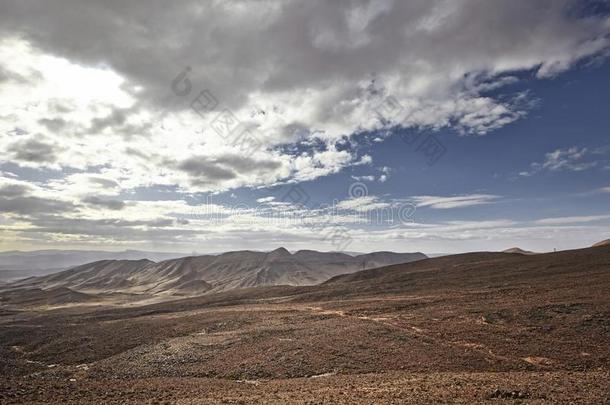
column 471, row 328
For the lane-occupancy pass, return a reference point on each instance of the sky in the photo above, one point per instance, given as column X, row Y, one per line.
column 438, row 126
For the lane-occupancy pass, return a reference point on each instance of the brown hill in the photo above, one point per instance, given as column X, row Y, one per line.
column 15, row 265
column 469, row 328
column 475, row 269
column 602, row 243
column 519, row 251
column 201, row 274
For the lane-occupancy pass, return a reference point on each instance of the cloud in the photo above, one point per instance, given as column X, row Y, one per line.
column 38, row 214
column 363, row 178
column 566, row 160
column 201, row 170
column 92, row 93
column 19, row 198
column 13, row 190
column 572, row 220
column 85, row 99
column 53, row 124
column 32, row 151
column 572, row 159
column 363, row 204
column 443, row 203
column 382, row 178
column 104, row 183
column 28, row 205
column 104, row 202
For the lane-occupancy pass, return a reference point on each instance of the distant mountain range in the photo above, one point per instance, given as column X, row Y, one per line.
column 17, row 264
column 212, row 273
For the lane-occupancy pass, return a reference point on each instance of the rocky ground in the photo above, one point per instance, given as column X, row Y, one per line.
column 387, row 388
column 476, row 329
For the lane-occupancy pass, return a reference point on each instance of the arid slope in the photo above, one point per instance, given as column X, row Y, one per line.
column 202, row 274
column 466, row 328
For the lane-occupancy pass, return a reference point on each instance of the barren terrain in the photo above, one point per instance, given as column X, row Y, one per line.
column 196, row 275
column 471, row 328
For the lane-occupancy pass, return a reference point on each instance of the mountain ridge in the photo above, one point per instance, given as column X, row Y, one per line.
column 193, row 275
column 16, row 265
column 518, row 250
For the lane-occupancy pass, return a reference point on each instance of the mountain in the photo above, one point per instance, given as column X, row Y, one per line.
column 518, row 251
column 602, row 243
column 200, row 274
column 468, row 328
column 16, row 265
column 37, row 296
column 475, row 270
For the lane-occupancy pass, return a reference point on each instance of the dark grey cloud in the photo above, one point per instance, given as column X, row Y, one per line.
column 117, row 122
column 203, row 170
column 18, row 199
column 121, row 230
column 200, row 169
column 244, row 164
column 53, row 124
column 33, row 150
column 13, row 190
column 104, row 202
column 116, row 118
column 106, row 183
column 30, row 205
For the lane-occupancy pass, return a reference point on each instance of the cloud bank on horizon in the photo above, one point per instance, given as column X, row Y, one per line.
column 114, row 116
